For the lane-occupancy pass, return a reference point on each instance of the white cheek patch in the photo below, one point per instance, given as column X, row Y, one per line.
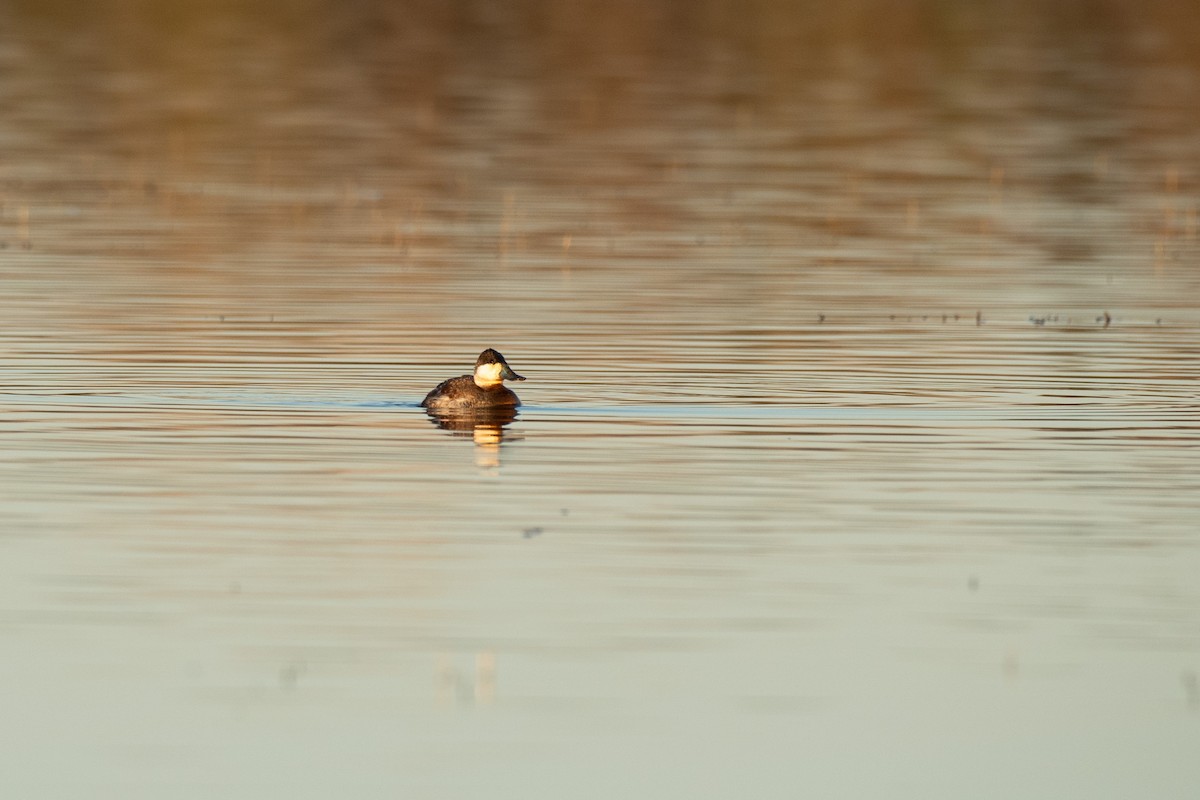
column 488, row 374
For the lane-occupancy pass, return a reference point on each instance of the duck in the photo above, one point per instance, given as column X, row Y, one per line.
column 484, row 390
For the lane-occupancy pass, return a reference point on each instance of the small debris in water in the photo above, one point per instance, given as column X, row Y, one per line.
column 529, row 533
column 1012, row 665
column 290, row 675
column 820, row 318
column 1191, row 687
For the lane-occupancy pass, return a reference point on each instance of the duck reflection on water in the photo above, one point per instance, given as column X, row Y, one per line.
column 484, row 425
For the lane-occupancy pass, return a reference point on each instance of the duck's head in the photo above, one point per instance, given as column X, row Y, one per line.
column 492, row 370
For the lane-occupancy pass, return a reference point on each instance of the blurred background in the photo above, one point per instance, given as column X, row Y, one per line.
column 859, row 453
column 904, row 156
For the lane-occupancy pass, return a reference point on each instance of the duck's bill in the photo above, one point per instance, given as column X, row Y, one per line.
column 509, row 375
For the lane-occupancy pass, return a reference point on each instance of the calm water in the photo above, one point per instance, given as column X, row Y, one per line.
column 859, row 455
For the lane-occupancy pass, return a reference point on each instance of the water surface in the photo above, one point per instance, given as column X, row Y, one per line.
column 859, row 455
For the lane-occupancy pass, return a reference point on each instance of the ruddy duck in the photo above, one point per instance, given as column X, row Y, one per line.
column 483, row 390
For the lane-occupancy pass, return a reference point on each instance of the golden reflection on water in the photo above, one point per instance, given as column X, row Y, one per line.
column 865, row 339
column 485, row 427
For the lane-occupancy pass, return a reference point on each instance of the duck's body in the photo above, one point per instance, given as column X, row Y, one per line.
column 483, row 390
column 462, row 392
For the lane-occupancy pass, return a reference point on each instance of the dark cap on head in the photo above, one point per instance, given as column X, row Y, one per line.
column 490, row 356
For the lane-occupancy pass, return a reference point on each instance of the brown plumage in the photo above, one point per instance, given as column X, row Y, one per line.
column 484, row 389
